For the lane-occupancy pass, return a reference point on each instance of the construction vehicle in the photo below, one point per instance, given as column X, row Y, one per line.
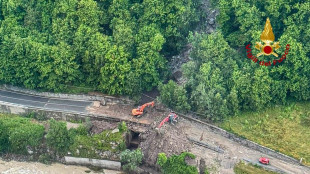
column 264, row 160
column 139, row 110
column 172, row 117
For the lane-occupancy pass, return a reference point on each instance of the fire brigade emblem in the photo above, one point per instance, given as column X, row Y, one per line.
column 267, row 37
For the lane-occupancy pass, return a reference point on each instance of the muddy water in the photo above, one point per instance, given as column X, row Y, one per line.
column 14, row 167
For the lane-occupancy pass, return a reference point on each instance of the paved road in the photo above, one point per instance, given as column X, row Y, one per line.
column 68, row 105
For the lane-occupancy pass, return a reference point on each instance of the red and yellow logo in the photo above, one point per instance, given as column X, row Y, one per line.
column 267, row 37
column 268, row 47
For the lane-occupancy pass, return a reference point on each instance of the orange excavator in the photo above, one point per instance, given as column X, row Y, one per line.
column 139, row 110
column 172, row 117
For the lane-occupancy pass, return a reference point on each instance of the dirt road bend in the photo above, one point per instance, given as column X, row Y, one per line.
column 223, row 163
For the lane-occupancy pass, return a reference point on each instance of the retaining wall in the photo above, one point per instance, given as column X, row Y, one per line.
column 57, row 115
column 10, row 108
column 114, row 165
column 106, row 98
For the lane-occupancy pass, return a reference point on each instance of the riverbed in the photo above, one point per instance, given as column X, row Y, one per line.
column 15, row 167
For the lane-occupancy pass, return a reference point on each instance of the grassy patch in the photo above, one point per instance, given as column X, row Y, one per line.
column 242, row 168
column 283, row 128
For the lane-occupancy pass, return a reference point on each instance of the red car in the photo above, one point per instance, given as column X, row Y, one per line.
column 264, row 160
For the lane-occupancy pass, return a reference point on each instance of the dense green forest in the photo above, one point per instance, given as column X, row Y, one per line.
column 123, row 47
column 115, row 46
column 221, row 80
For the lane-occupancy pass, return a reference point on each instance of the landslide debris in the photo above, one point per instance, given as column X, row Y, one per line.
column 100, row 126
column 169, row 140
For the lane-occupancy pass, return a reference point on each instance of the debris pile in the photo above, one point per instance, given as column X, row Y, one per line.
column 171, row 140
column 100, row 126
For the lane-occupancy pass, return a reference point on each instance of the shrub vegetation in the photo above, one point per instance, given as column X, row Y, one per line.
column 176, row 164
column 17, row 134
column 88, row 146
column 58, row 137
column 131, row 159
column 174, row 96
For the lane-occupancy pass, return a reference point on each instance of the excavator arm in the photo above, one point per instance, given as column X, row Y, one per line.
column 163, row 122
column 175, row 116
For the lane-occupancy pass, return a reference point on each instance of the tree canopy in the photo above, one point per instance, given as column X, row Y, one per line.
column 222, row 80
column 107, row 45
column 122, row 47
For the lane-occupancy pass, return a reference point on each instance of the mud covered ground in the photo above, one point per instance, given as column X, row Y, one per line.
column 168, row 140
column 123, row 112
column 172, row 139
column 100, row 126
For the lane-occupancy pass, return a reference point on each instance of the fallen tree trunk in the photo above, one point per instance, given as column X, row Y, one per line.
column 114, row 165
column 216, row 149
